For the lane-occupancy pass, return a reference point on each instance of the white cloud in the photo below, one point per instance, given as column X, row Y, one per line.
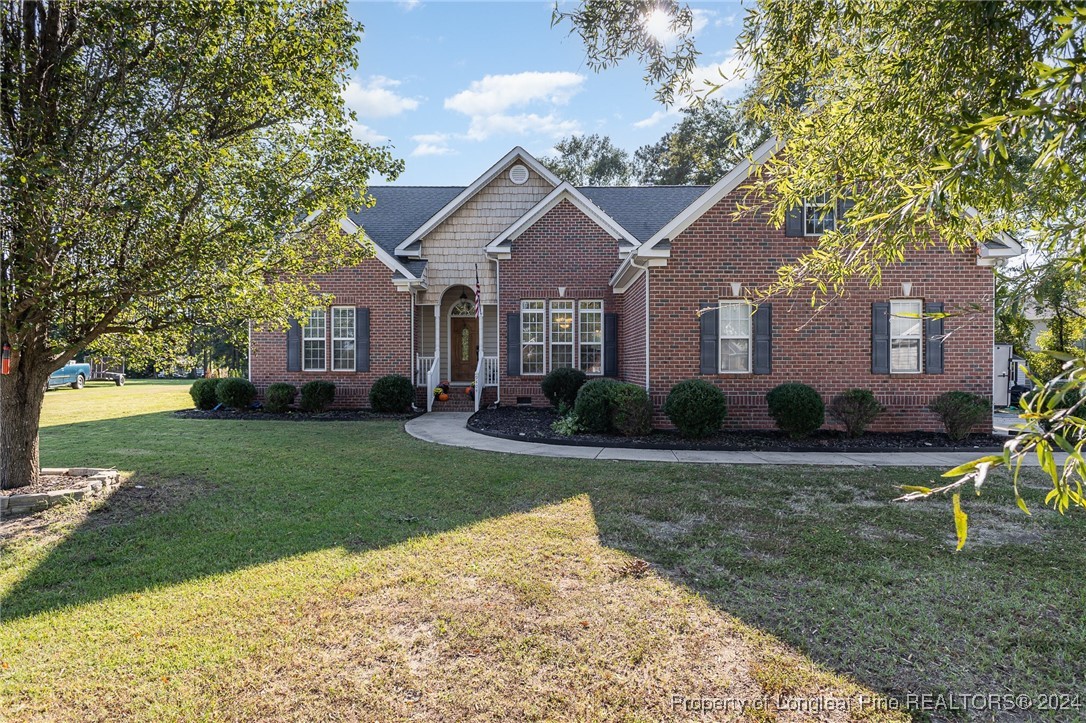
column 498, row 93
column 409, row 5
column 484, row 126
column 658, row 24
column 432, row 144
column 730, row 74
column 656, row 118
column 364, row 134
column 701, row 19
column 377, row 99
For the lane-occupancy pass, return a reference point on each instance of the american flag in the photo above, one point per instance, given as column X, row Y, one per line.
column 478, row 295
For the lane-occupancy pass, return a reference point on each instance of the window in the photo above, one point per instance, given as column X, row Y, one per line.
column 735, row 344
column 906, row 336
column 532, row 327
column 817, row 219
column 343, row 348
column 591, row 332
column 313, row 341
column 561, row 334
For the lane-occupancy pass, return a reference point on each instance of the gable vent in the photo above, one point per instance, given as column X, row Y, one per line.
column 518, row 174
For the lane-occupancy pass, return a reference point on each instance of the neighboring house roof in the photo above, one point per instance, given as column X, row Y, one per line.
column 642, row 210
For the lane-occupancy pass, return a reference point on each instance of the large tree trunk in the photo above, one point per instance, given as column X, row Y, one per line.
column 21, row 396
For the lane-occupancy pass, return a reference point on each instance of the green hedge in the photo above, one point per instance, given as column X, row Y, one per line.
column 279, row 397
column 796, row 408
column 960, row 412
column 235, row 392
column 203, row 394
column 392, row 394
column 317, row 395
column 561, row 385
column 696, row 408
column 855, row 409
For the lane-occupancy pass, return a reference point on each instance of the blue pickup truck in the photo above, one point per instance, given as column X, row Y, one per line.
column 74, row 374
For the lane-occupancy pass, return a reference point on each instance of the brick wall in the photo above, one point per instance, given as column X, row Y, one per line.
column 365, row 285
column 830, row 350
column 563, row 248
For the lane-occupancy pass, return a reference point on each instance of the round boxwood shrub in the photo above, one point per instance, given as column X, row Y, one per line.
column 561, row 385
column 593, row 405
column 392, row 394
column 203, row 395
column 317, row 395
column 696, row 408
column 279, row 396
column 235, row 392
column 796, row 408
column 960, row 412
column 855, row 409
column 631, row 410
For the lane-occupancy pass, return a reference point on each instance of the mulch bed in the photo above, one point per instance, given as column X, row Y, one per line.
column 47, row 483
column 332, row 415
column 534, row 425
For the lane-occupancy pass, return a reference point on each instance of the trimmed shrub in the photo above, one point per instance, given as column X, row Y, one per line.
column 960, row 412
column 696, row 408
column 855, row 409
column 561, row 385
column 796, row 408
column 235, row 392
column 631, row 410
column 317, row 395
column 392, row 394
column 203, row 394
column 279, row 396
column 593, row 405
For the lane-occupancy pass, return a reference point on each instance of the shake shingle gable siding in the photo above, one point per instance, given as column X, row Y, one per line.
column 651, row 257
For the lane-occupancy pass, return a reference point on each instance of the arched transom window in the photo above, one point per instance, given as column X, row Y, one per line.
column 464, row 307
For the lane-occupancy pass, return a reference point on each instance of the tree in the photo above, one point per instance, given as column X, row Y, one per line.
column 589, row 161
column 710, row 140
column 165, row 165
column 967, row 118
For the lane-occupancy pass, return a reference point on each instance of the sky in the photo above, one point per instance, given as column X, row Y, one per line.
column 453, row 86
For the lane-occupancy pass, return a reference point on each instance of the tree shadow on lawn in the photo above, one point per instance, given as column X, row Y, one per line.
column 816, row 557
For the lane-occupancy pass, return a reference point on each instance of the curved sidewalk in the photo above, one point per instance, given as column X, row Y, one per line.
column 449, row 428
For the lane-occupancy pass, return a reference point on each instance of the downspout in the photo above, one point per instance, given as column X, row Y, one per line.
column 412, row 360
column 497, row 320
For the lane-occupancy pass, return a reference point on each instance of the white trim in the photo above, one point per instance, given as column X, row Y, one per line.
column 721, row 303
column 919, row 337
column 452, row 206
column 624, row 278
column 333, row 339
column 572, row 343
column 323, row 339
column 542, row 344
column 350, row 227
column 647, row 337
column 580, row 334
column 563, row 192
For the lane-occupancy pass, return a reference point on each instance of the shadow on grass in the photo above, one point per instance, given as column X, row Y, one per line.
column 815, row 557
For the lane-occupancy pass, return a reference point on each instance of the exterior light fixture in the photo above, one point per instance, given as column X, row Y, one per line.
column 737, row 287
column 561, row 292
column 906, row 288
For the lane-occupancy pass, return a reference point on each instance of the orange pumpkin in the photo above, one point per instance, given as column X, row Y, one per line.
column 443, row 398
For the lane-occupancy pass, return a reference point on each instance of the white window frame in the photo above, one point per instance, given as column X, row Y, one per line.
column 533, row 306
column 559, row 307
column 595, row 310
column 350, row 338
column 918, row 309
column 310, row 337
column 721, row 338
column 815, row 206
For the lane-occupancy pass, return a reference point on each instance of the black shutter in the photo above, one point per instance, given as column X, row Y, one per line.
column 880, row 337
column 512, row 345
column 793, row 222
column 361, row 339
column 763, row 339
column 294, row 347
column 610, row 345
column 710, row 340
column 933, row 339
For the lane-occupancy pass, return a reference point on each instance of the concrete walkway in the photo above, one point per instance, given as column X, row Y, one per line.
column 449, row 428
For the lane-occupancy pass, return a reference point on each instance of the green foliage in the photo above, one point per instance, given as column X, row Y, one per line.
column 589, row 161
column 567, row 424
column 631, row 410
column 392, row 394
column 796, row 408
column 593, row 405
column 855, row 409
column 279, row 397
column 203, row 394
column 317, row 395
column 235, row 392
column 561, row 385
column 960, row 412
column 696, row 408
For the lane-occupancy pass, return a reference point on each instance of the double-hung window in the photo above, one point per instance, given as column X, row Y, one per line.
column 561, row 334
column 906, row 336
column 343, row 343
column 590, row 323
column 314, row 342
column 532, row 330
column 817, row 217
column 734, row 325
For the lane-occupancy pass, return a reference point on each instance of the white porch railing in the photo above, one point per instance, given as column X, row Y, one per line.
column 432, row 380
column 491, row 371
column 422, row 369
column 479, row 373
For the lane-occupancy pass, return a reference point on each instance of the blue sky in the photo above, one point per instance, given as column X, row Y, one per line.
column 452, row 86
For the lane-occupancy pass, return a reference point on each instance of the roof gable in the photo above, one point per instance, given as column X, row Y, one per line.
column 642, row 210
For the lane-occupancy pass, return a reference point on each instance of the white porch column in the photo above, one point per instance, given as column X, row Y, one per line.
column 437, row 337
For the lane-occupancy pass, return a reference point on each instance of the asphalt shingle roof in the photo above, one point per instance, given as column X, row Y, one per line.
column 642, row 210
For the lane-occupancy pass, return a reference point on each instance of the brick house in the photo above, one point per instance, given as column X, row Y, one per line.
column 646, row 284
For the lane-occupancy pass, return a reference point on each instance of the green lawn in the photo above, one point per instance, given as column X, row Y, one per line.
column 345, row 571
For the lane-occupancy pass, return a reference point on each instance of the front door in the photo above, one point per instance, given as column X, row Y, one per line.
column 464, row 351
